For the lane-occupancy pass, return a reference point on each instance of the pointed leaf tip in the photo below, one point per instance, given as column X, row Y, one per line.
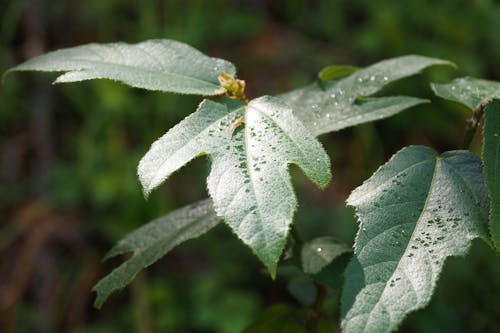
column 328, row 106
column 152, row 241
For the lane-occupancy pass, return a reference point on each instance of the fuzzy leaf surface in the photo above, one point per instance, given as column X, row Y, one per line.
column 320, row 252
column 327, row 106
column 414, row 212
column 491, row 160
column 248, row 181
column 467, row 91
column 152, row 241
column 161, row 65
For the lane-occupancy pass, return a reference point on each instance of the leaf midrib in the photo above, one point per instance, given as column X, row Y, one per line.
column 134, row 68
column 196, row 138
column 424, row 207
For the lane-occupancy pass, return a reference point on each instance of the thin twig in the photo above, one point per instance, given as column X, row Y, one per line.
column 312, row 322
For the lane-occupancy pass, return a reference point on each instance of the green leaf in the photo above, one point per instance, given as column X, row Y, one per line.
column 335, row 72
column 320, row 252
column 152, row 241
column 327, row 106
column 491, row 160
column 333, row 274
column 414, row 212
column 303, row 289
column 248, row 181
column 467, row 91
column 162, row 65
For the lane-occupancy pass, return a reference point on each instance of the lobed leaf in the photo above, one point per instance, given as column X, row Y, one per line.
column 414, row 212
column 327, row 106
column 467, row 91
column 248, row 181
column 152, row 241
column 491, row 160
column 162, row 65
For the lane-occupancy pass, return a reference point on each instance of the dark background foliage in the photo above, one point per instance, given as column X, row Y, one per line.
column 68, row 189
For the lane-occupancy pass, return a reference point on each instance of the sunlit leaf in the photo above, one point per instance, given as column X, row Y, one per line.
column 153, row 240
column 467, row 91
column 414, row 212
column 162, row 65
column 491, row 160
column 335, row 72
column 249, row 180
column 327, row 106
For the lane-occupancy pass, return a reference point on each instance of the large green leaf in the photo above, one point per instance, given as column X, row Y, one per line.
column 491, row 160
column 414, row 212
column 248, row 181
column 153, row 240
column 327, row 106
column 467, row 91
column 163, row 65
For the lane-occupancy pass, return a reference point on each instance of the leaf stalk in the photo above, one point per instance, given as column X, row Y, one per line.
column 473, row 124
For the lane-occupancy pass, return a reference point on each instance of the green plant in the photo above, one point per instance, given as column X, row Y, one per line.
column 415, row 211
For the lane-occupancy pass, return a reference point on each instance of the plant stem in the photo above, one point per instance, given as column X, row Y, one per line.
column 312, row 322
column 473, row 123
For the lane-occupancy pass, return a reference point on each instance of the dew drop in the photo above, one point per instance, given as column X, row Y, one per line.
column 372, row 78
column 319, row 249
column 386, row 78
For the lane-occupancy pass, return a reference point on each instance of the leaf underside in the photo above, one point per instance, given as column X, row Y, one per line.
column 161, row 65
column 467, row 91
column 491, row 160
column 414, row 212
column 248, row 181
column 152, row 241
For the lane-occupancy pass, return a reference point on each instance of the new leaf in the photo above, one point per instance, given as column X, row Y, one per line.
column 162, row 65
column 249, row 180
column 414, row 212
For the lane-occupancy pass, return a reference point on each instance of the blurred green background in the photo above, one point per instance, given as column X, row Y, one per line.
column 68, row 187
